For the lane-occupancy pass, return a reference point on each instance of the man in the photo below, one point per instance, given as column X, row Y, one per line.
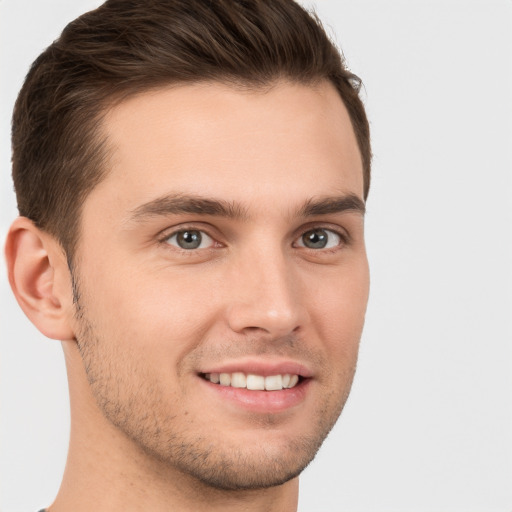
column 191, row 178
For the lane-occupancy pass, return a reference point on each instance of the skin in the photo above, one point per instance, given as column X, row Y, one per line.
column 142, row 318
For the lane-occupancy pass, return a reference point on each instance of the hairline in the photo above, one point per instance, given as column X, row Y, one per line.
column 104, row 149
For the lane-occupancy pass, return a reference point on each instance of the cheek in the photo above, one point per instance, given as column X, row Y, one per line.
column 157, row 317
column 340, row 305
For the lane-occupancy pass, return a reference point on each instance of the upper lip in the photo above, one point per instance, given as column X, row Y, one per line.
column 260, row 367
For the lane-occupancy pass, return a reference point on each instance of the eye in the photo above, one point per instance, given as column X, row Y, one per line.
column 190, row 239
column 319, row 238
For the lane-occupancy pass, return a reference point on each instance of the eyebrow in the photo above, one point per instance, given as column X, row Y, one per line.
column 335, row 204
column 175, row 204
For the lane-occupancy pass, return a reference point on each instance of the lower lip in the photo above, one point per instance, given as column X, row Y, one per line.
column 264, row 402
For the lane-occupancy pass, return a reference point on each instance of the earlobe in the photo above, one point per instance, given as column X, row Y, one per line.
column 35, row 261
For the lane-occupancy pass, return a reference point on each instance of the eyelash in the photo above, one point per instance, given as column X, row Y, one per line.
column 341, row 234
column 342, row 239
column 164, row 239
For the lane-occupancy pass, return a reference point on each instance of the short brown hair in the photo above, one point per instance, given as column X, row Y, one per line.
column 129, row 46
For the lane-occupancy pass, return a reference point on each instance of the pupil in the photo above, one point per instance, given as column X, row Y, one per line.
column 315, row 239
column 189, row 239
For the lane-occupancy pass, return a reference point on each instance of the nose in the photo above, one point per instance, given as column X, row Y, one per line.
column 266, row 296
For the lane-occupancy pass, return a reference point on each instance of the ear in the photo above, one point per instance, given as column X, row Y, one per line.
column 40, row 278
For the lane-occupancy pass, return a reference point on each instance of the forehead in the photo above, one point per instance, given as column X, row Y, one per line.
column 213, row 140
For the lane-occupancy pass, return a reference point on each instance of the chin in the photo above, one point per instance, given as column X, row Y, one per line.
column 241, row 470
column 250, row 463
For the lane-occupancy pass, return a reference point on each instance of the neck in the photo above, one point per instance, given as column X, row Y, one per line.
column 107, row 471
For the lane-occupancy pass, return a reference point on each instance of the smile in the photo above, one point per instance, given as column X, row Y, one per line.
column 253, row 382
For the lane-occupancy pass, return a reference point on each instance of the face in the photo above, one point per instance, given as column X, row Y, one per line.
column 222, row 278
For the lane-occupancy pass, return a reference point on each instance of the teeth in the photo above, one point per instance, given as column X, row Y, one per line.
column 293, row 381
column 254, row 382
column 225, row 379
column 238, row 380
column 273, row 382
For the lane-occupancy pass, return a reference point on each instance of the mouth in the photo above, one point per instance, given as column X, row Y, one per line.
column 254, row 382
column 258, row 386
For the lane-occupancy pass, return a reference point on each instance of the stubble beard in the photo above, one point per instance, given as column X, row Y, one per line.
column 130, row 398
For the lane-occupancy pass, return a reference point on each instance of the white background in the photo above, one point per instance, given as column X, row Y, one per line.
column 428, row 427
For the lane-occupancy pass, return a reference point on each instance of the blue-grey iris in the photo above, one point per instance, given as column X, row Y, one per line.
column 315, row 239
column 189, row 239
